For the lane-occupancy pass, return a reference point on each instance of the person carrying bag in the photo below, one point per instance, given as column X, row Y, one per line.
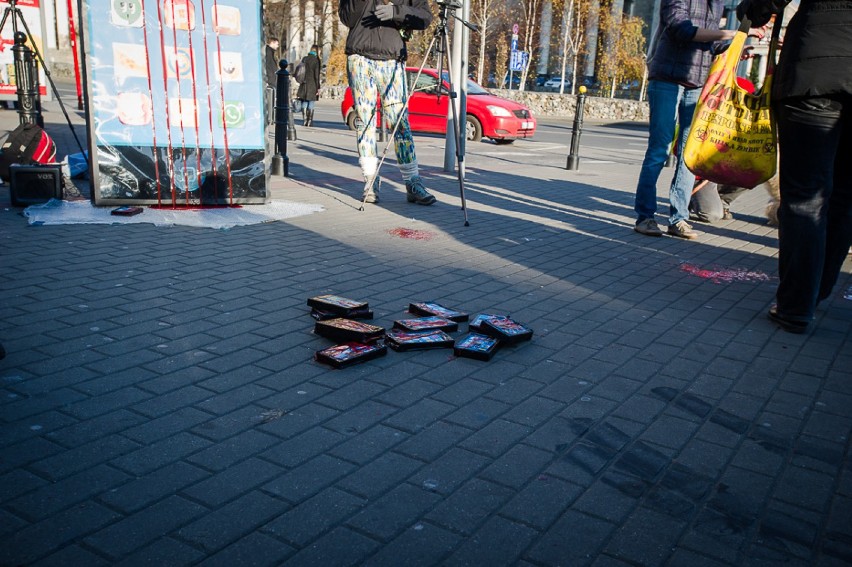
column 733, row 138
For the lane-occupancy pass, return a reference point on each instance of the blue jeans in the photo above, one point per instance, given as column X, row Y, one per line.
column 815, row 215
column 671, row 106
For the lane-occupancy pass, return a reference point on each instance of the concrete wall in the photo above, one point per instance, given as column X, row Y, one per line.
column 556, row 105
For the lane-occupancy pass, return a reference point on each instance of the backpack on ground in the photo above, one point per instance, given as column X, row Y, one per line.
column 299, row 73
column 26, row 145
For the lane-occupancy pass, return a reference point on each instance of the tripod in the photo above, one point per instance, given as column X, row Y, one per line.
column 20, row 39
column 440, row 37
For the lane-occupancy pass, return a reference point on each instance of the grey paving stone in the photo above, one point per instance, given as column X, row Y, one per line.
column 368, row 445
column 541, row 502
column 161, row 453
column 286, row 424
column 254, row 549
column 221, row 455
column 468, row 507
column 152, row 486
column 419, row 415
column 170, row 424
column 575, row 539
column 303, row 447
column 495, row 438
column 315, row 516
column 340, row 547
column 48, row 500
column 380, row 475
column 422, row 544
column 309, row 478
column 351, row 395
column 41, row 539
column 646, row 538
column 477, row 413
column 517, row 466
column 429, row 443
column 80, row 458
column 232, row 522
column 162, row 552
column 388, row 516
column 360, row 418
column 73, row 555
column 232, row 482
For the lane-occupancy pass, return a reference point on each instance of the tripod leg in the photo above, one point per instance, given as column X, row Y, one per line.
column 456, row 129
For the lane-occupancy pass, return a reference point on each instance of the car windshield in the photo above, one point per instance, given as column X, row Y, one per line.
column 472, row 88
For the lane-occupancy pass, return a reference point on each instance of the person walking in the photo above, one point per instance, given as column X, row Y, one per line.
column 375, row 66
column 682, row 50
column 308, row 91
column 812, row 102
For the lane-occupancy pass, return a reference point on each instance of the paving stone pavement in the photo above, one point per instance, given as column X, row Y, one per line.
column 160, row 404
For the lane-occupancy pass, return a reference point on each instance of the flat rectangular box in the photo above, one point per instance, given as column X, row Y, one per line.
column 34, row 184
column 343, row 306
column 348, row 331
column 321, row 315
column 426, row 324
column 351, row 353
column 507, row 330
column 405, row 340
column 430, row 308
column 476, row 346
column 475, row 324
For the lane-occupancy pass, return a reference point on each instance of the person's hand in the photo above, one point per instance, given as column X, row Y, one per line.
column 759, row 32
column 384, row 12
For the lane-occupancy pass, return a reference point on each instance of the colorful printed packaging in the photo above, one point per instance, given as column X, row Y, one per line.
column 405, row 340
column 507, row 330
column 475, row 324
column 321, row 315
column 477, row 346
column 427, row 324
column 350, row 353
column 335, row 304
column 346, row 331
column 438, row 310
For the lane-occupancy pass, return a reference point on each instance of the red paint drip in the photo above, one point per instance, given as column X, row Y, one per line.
column 724, row 276
column 411, row 234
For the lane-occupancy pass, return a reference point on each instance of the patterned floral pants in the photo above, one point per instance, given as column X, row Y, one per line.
column 369, row 78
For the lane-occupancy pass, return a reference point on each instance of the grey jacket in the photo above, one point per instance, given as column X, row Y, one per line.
column 674, row 57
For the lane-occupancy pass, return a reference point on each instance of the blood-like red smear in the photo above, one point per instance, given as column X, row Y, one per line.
column 411, row 234
column 724, row 276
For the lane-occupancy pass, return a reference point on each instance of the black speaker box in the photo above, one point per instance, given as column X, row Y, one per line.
column 34, row 184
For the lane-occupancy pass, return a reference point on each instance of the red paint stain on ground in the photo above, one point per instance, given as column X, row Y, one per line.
column 724, row 276
column 411, row 234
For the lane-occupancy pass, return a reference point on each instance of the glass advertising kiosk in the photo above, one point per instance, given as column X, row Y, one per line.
column 174, row 99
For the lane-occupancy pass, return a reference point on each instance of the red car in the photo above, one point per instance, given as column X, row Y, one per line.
column 488, row 116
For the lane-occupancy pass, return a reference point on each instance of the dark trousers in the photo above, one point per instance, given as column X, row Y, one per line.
column 815, row 216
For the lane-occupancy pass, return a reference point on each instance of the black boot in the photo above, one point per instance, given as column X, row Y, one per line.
column 310, row 120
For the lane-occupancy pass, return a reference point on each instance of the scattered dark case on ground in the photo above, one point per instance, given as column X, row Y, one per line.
column 427, row 324
column 475, row 345
column 405, row 340
column 475, row 324
column 126, row 211
column 507, row 330
column 321, row 315
column 335, row 304
column 438, row 310
column 350, row 353
column 348, row 331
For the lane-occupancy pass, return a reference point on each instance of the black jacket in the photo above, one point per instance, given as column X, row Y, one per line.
column 309, row 88
column 374, row 39
column 816, row 58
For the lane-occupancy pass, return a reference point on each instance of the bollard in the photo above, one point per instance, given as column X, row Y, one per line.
column 574, row 156
column 27, row 80
column 280, row 161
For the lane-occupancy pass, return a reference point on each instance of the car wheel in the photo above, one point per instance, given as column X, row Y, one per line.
column 502, row 141
column 472, row 129
column 350, row 120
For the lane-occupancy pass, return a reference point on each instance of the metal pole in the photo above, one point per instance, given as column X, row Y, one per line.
column 25, row 77
column 280, row 161
column 72, row 36
column 574, row 156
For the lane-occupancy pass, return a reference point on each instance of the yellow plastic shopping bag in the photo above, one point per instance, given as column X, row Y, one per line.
column 733, row 140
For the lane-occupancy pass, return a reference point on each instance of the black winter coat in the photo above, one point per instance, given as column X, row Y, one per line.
column 374, row 39
column 310, row 87
column 816, row 58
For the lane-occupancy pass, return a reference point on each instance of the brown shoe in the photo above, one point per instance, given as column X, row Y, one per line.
column 681, row 229
column 648, row 227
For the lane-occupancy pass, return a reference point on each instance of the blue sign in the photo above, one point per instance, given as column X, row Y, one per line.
column 518, row 60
